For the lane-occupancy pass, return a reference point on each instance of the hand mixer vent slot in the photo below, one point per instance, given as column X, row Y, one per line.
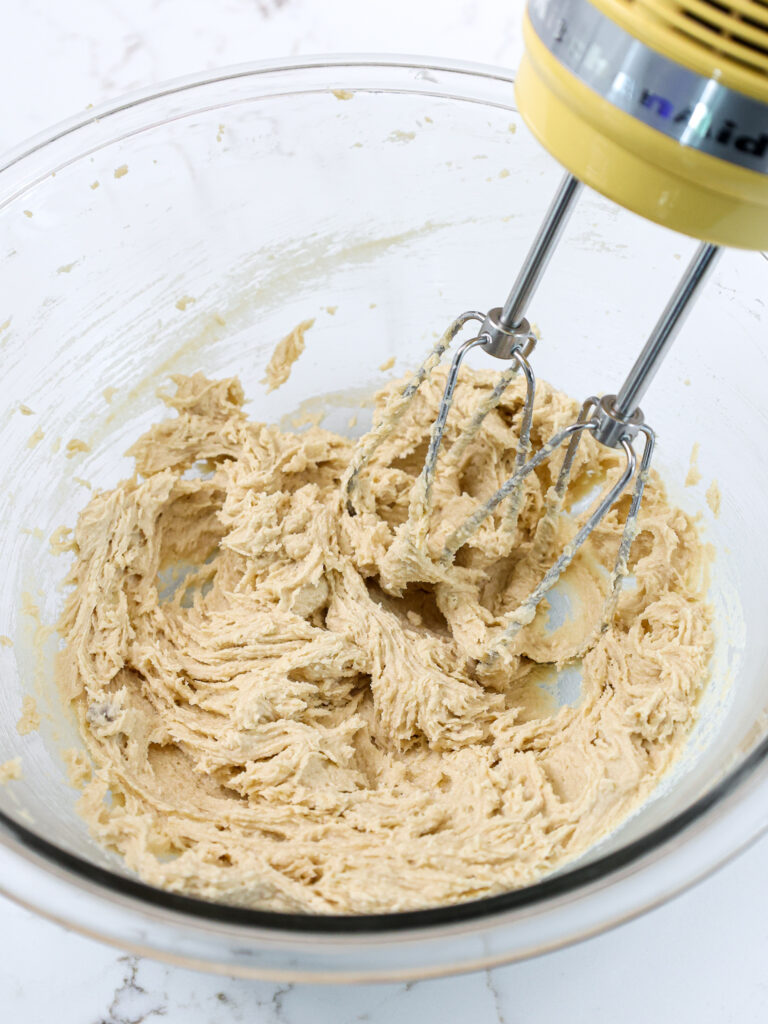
column 733, row 33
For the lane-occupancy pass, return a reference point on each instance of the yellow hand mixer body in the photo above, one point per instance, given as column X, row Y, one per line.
column 662, row 106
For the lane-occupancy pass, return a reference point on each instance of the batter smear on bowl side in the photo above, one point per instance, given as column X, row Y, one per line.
column 308, row 721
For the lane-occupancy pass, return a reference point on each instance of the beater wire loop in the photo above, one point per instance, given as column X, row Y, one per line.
column 394, row 411
column 472, row 523
column 526, row 610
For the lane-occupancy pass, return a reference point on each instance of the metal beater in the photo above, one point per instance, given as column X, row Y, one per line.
column 614, row 420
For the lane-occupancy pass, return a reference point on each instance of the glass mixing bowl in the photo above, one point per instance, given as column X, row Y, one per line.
column 189, row 228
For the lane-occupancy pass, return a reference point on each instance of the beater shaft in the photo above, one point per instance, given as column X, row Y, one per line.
column 540, row 252
column 506, row 328
column 663, row 334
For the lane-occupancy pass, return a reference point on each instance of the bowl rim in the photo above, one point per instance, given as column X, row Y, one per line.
column 182, row 83
column 567, row 882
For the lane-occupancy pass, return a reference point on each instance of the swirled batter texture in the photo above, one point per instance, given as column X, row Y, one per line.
column 307, row 722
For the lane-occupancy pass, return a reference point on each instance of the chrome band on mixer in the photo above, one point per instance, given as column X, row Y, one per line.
column 694, row 110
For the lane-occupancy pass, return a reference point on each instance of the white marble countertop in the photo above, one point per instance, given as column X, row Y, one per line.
column 702, row 957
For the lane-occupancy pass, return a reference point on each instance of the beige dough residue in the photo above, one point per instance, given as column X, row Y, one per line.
column 285, row 355
column 78, row 766
column 343, row 94
column 5, row 641
column 387, row 364
column 61, row 540
column 30, row 717
column 714, row 498
column 306, row 723
column 75, row 447
column 305, row 419
column 10, row 770
column 400, row 136
column 693, row 477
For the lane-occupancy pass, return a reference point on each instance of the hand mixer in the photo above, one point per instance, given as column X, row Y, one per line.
column 662, row 106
